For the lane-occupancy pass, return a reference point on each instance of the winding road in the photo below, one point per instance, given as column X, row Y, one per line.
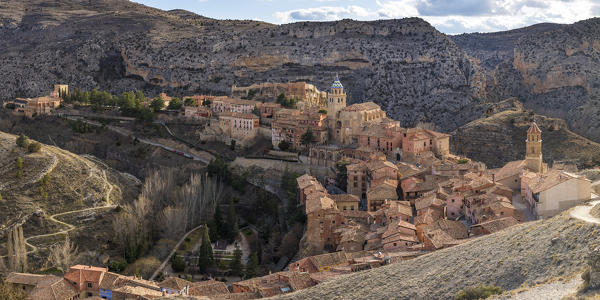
column 582, row 212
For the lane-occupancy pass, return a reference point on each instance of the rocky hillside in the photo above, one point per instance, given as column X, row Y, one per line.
column 415, row 72
column 553, row 69
column 500, row 138
column 523, row 255
column 57, row 191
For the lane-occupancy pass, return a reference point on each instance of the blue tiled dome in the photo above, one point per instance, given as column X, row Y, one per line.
column 337, row 84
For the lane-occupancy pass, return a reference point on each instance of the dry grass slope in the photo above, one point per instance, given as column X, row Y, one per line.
column 525, row 254
column 75, row 183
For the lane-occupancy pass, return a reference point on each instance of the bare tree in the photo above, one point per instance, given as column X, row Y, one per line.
column 159, row 188
column 173, row 222
column 131, row 227
column 62, row 256
column 199, row 198
column 17, row 250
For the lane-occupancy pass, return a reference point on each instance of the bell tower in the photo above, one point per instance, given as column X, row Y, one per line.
column 336, row 101
column 336, row 98
column 533, row 156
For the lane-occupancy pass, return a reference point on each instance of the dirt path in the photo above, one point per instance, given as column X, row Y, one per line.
column 109, row 188
column 553, row 290
column 164, row 263
column 582, row 212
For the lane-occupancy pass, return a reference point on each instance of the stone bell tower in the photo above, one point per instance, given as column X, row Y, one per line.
column 336, row 98
column 533, row 156
column 336, row 101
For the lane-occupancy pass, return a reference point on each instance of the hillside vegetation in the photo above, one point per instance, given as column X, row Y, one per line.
column 52, row 182
column 521, row 255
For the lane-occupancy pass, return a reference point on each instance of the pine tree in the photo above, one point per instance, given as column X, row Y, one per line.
column 222, row 230
column 206, row 253
column 232, row 222
column 252, row 266
column 236, row 263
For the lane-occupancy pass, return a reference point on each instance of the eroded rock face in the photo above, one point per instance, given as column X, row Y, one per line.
column 553, row 68
column 409, row 68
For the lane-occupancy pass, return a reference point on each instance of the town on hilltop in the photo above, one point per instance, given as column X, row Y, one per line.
column 371, row 191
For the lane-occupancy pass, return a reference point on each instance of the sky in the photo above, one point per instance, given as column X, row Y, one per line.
column 448, row 16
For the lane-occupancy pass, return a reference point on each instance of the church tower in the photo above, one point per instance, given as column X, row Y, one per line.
column 533, row 156
column 336, row 101
column 336, row 98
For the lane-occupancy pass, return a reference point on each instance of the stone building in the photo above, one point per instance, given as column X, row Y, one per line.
column 225, row 104
column 237, row 125
column 324, row 155
column 305, row 92
column 198, row 112
column 555, row 191
column 352, row 119
column 417, row 141
column 357, row 179
column 385, row 137
column 268, row 109
column 290, row 125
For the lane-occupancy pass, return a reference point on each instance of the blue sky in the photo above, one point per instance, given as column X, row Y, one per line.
column 448, row 16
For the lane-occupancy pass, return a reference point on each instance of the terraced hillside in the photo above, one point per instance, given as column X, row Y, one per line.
column 59, row 192
column 522, row 255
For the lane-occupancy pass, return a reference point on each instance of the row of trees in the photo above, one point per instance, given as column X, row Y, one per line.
column 165, row 210
column 130, row 103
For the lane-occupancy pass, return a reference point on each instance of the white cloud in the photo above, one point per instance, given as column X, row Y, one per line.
column 456, row 16
column 324, row 13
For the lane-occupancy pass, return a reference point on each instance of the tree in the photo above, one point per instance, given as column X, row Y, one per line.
column 232, row 222
column 307, row 138
column 172, row 222
column 341, row 177
column 19, row 163
column 22, row 141
column 206, row 103
column 157, row 104
column 218, row 220
column 236, row 264
column 205, row 259
column 62, row 256
column 177, row 263
column 251, row 266
column 284, row 146
column 323, row 111
column 190, row 102
column 9, row 292
column 175, row 104
column 17, row 250
column 34, row 147
column 131, row 228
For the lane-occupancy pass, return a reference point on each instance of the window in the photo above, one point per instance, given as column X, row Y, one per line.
column 452, row 200
column 89, row 284
column 501, row 213
column 89, row 294
column 333, row 222
column 344, row 207
column 394, row 244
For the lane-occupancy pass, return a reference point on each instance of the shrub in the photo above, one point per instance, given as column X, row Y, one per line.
column 284, row 146
column 177, row 264
column 22, row 141
column 117, row 266
column 463, row 160
column 478, row 292
column 34, row 147
column 323, row 111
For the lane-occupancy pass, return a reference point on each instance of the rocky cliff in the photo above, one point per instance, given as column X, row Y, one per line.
column 553, row 69
column 415, row 72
